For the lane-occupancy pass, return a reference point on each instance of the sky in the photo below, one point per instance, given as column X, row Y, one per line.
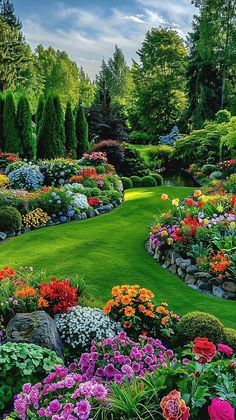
column 89, row 29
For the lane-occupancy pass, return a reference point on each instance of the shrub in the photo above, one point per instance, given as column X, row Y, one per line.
column 158, row 178
column 161, row 153
column 230, row 337
column 24, row 123
column 26, row 177
column 139, row 137
column 200, row 324
column 57, row 171
column 207, row 169
column 11, row 135
column 133, row 163
column 223, row 116
column 21, row 363
column 71, row 139
column 39, row 112
column 60, row 128
column 149, row 181
column 216, row 175
column 36, row 218
column 136, row 181
column 127, row 183
column 2, row 101
column 81, row 127
column 114, row 152
column 3, row 181
column 10, row 219
column 81, row 325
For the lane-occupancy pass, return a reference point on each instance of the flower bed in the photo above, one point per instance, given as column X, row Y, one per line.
column 197, row 240
column 52, row 192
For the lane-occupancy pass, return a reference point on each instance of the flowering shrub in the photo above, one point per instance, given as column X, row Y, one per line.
column 95, row 158
column 57, row 296
column 119, row 358
column 80, row 325
column 3, row 181
column 62, row 395
column 133, row 306
column 6, row 158
column 26, row 177
column 36, row 218
column 57, row 171
column 94, row 201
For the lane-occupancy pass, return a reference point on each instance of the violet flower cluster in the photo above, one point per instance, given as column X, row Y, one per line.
column 162, row 237
column 118, row 358
column 62, row 396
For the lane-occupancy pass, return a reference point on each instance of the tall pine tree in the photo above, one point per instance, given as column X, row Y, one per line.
column 60, row 120
column 11, row 135
column 7, row 12
column 48, row 146
column 81, row 126
column 24, row 123
column 71, row 140
column 2, row 145
column 39, row 112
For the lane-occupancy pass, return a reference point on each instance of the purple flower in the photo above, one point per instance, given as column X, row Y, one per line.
column 109, row 370
column 54, row 406
column 83, row 409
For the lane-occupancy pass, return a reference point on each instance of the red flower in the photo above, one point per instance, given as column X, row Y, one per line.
column 59, row 295
column 200, row 204
column 204, row 349
column 93, row 201
column 174, row 408
column 190, row 202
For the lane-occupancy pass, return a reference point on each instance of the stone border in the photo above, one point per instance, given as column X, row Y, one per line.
column 106, row 208
column 190, row 274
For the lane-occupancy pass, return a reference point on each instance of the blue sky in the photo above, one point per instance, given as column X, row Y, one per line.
column 89, row 29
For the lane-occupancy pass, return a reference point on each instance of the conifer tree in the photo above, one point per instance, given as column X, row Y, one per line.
column 81, row 127
column 1, row 122
column 60, row 120
column 11, row 135
column 24, row 124
column 48, row 146
column 39, row 112
column 71, row 140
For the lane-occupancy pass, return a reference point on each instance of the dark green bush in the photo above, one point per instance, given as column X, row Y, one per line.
column 223, row 116
column 133, row 163
column 136, row 181
column 127, row 183
column 22, row 363
column 200, row 324
column 161, row 153
column 158, row 178
column 149, row 181
column 10, row 219
column 140, row 137
column 230, row 337
column 208, row 169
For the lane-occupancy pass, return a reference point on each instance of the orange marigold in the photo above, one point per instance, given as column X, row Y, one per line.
column 129, row 311
column 115, row 291
column 25, row 292
column 126, row 300
column 42, row 303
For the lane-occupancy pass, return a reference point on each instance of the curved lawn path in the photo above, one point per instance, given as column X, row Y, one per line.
column 109, row 250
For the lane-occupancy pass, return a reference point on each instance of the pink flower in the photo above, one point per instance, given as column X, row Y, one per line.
column 223, row 348
column 221, row 410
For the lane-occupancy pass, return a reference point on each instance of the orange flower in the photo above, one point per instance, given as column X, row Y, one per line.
column 107, row 309
column 144, row 333
column 129, row 311
column 127, row 324
column 164, row 320
column 151, row 306
column 164, row 197
column 124, row 288
column 42, row 303
column 141, row 308
column 25, row 292
column 115, row 291
column 143, row 298
column 161, row 310
column 126, row 300
column 150, row 314
column 197, row 193
column 132, row 292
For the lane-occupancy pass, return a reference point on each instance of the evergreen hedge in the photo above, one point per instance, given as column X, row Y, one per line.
column 11, row 135
column 24, row 124
column 81, row 126
column 70, row 133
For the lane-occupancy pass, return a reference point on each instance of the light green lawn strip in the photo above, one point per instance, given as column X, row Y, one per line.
column 109, row 250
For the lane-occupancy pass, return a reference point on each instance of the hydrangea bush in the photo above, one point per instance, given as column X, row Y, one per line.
column 26, row 177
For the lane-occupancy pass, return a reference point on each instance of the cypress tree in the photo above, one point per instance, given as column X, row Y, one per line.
column 60, row 120
column 1, row 122
column 11, row 135
column 39, row 112
column 71, row 140
column 24, row 123
column 81, row 126
column 48, row 146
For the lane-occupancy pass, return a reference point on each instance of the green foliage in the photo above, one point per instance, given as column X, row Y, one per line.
column 39, row 112
column 139, row 137
column 11, row 135
column 127, row 182
column 81, row 126
column 22, row 363
column 228, row 141
column 24, row 124
column 133, row 163
column 114, row 152
column 60, row 129
column 158, row 178
column 136, row 181
column 148, row 181
column 70, row 133
column 207, row 169
column 2, row 101
column 10, row 219
column 161, row 153
column 230, row 337
column 223, row 116
column 49, row 144
column 200, row 324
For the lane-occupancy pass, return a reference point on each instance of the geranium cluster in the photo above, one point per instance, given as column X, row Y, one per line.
column 63, row 395
column 80, row 325
column 119, row 358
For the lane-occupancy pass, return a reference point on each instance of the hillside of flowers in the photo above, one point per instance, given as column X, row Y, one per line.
column 133, row 358
column 196, row 239
column 47, row 192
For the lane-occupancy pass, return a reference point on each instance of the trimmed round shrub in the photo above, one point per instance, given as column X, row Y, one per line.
column 223, row 116
column 149, row 181
column 127, row 183
column 21, row 363
column 136, row 181
column 10, row 219
column 200, row 324
column 230, row 337
column 158, row 178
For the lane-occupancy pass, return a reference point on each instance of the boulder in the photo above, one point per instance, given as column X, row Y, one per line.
column 174, row 257
column 217, row 291
column 104, row 209
column 173, row 269
column 37, row 328
column 184, row 264
column 229, row 286
column 191, row 269
column 166, row 264
column 2, row 236
column 181, row 272
column 189, row 279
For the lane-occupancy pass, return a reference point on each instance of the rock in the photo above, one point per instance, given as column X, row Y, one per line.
column 114, row 203
column 202, row 275
column 193, row 286
column 3, row 236
column 200, row 283
column 181, row 272
column 78, row 217
column 96, row 212
column 37, row 328
column 157, row 256
column 27, row 229
column 90, row 213
column 104, row 209
column 217, row 291
column 229, row 286
column 191, row 269
column 10, row 234
column 205, row 286
column 189, row 279
column 83, row 215
column 173, row 269
column 174, row 256
column 214, row 281
column 229, row 295
column 179, row 261
column 185, row 263
column 166, row 264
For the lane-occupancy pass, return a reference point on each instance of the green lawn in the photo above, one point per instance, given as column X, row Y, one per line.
column 109, row 250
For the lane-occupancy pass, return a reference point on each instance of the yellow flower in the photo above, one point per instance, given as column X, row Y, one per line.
column 164, row 197
column 232, row 225
column 220, row 208
column 164, row 233
column 197, row 193
column 170, row 241
column 206, row 221
column 175, row 202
